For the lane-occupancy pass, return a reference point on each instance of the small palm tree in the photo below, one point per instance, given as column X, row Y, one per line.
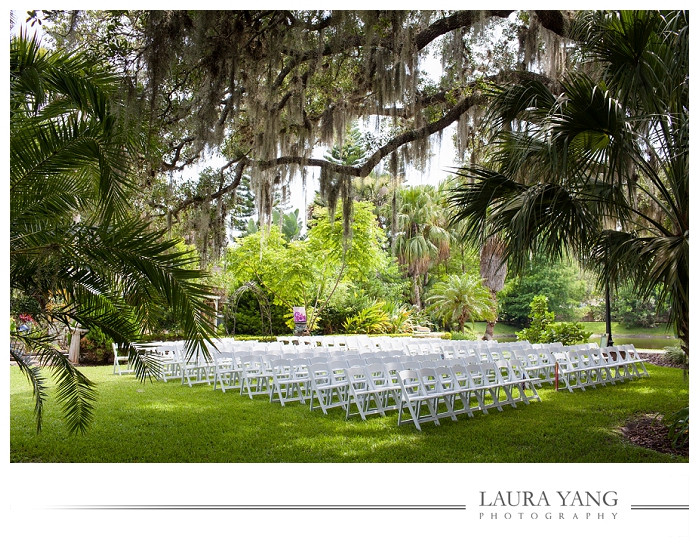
column 421, row 240
column 76, row 245
column 460, row 299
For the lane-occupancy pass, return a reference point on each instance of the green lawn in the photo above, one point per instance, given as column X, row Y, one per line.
column 168, row 422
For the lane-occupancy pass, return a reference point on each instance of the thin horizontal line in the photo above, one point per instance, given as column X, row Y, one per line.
column 260, row 507
column 660, row 507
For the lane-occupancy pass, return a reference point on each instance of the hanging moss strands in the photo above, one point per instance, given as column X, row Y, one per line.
column 265, row 89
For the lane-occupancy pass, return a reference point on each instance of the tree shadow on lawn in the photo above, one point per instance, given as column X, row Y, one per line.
column 156, row 425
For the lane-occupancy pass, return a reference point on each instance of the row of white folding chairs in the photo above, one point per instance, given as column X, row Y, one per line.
column 589, row 366
column 458, row 386
column 345, row 382
column 230, row 370
column 432, row 393
column 251, row 372
column 595, row 366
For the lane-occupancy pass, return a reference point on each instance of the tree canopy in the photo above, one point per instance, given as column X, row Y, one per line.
column 265, row 89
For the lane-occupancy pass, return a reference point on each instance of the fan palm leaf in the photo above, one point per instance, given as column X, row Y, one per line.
column 602, row 170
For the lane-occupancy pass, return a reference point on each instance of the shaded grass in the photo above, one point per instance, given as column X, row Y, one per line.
column 168, row 422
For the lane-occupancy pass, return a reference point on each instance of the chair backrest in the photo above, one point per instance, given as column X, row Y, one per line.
column 611, row 353
column 460, row 375
column 409, row 380
column 355, row 362
column 574, row 360
column 446, row 377
column 430, row 380
column 511, row 371
column 358, row 378
column 250, row 362
column 280, row 368
column 411, row 364
column 378, row 375
column 226, row 357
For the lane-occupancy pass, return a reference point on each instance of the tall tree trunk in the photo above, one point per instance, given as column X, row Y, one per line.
column 416, row 291
column 493, row 273
column 490, row 325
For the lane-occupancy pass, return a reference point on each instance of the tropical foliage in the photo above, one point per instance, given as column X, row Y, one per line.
column 460, row 299
column 543, row 329
column 309, row 272
column 598, row 164
column 561, row 281
column 76, row 247
column 421, row 240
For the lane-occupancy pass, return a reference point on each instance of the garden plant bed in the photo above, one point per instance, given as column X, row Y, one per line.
column 650, row 432
column 659, row 358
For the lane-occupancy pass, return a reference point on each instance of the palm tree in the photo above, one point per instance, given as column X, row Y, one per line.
column 421, row 240
column 461, row 298
column 76, row 246
column 601, row 168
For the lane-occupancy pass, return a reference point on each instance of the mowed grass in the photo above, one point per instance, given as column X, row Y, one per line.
column 166, row 422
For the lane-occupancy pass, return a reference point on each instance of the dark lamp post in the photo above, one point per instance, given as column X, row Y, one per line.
column 608, row 314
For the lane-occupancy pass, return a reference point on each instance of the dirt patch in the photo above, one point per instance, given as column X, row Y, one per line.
column 650, row 432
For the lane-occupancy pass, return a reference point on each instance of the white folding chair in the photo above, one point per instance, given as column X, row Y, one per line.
column 413, row 397
column 540, row 365
column 452, row 392
column 199, row 368
column 120, row 360
column 484, row 387
column 169, row 356
column 362, row 394
column 382, row 384
column 513, row 376
column 634, row 359
column 465, row 391
column 255, row 376
column 289, row 380
column 327, row 387
column 620, row 368
column 227, row 372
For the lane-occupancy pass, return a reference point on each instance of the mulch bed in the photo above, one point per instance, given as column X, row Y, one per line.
column 658, row 358
column 650, row 432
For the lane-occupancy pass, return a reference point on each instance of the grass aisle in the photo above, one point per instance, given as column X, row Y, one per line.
column 167, row 422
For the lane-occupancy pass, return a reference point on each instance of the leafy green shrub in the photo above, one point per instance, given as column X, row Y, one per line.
column 401, row 318
column 569, row 333
column 631, row 311
column 96, row 346
column 248, row 320
column 679, row 428
column 676, row 355
column 262, row 338
column 372, row 319
column 544, row 330
column 24, row 304
column 561, row 281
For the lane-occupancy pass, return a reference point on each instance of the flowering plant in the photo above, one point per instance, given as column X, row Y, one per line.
column 299, row 315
